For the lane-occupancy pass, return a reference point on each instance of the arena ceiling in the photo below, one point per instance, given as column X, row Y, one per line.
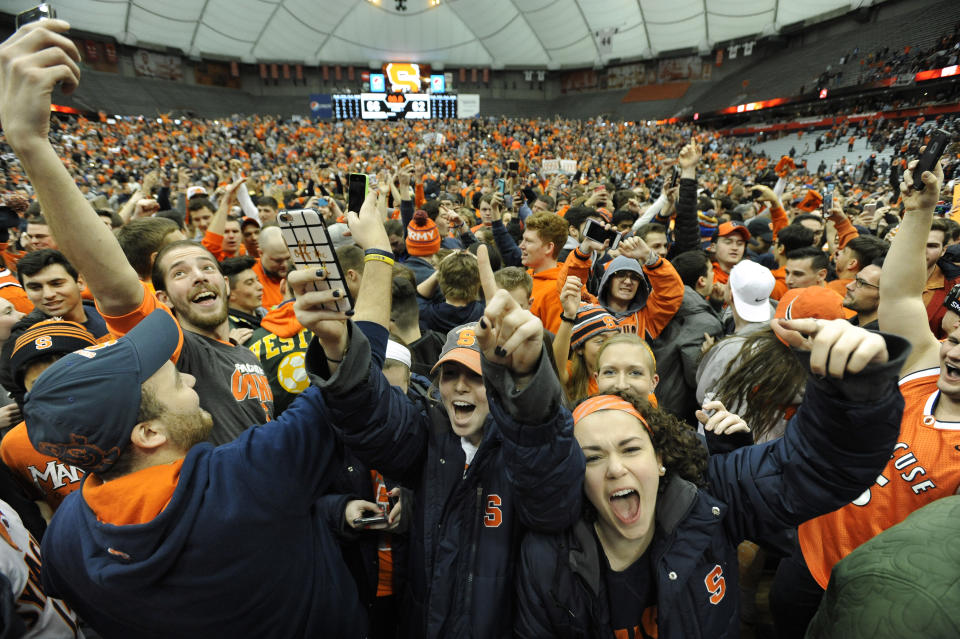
column 496, row 33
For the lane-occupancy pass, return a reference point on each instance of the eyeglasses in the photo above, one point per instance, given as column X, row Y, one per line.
column 860, row 283
column 630, row 275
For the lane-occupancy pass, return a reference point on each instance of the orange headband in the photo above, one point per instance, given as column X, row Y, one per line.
column 608, row 402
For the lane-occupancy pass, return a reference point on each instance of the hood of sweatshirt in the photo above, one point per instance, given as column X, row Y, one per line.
column 281, row 320
column 616, row 265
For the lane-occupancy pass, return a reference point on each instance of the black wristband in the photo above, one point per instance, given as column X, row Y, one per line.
column 381, row 252
column 564, row 318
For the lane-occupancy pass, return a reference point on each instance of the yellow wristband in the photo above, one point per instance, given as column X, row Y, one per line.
column 374, row 257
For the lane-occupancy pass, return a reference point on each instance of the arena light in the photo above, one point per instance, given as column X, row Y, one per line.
column 823, row 94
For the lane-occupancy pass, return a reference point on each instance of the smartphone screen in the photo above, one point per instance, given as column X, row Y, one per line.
column 595, row 231
column 501, row 186
column 357, row 191
column 828, row 199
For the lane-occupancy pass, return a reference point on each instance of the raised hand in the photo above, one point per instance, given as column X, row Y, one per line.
column 928, row 197
column 366, row 227
column 509, row 335
column 32, row 62
column 635, row 248
column 836, row 346
column 689, row 156
column 570, row 296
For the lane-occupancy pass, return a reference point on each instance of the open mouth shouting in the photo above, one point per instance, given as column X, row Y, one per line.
column 205, row 298
column 951, row 373
column 625, row 504
column 462, row 412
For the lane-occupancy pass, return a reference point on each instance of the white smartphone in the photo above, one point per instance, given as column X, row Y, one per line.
column 306, row 236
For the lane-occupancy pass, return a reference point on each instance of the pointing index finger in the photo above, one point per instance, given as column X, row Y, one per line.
column 487, row 280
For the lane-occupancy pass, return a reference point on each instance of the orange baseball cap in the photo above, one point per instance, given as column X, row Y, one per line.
column 728, row 228
column 817, row 302
column 461, row 347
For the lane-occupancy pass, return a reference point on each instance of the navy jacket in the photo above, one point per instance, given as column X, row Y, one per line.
column 465, row 534
column 239, row 551
column 834, row 447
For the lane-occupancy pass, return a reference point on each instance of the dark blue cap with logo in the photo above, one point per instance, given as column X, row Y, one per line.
column 83, row 408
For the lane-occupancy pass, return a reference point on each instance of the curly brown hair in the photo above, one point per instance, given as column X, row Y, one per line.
column 676, row 442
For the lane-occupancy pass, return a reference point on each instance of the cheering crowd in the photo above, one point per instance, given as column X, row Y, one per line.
column 522, row 403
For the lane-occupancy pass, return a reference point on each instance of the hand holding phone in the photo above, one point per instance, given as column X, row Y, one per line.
column 306, row 235
column 598, row 232
column 931, row 155
column 361, row 514
column 42, row 11
column 358, row 187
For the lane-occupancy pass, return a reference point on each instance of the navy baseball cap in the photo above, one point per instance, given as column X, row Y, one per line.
column 83, row 408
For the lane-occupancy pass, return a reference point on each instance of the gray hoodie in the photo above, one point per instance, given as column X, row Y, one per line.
column 619, row 264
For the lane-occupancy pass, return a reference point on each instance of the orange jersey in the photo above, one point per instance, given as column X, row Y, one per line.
column 924, row 465
column 44, row 477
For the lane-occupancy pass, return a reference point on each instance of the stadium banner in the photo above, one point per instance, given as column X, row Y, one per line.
column 626, row 76
column 321, row 106
column 468, row 105
column 554, row 166
column 678, row 69
column 157, row 65
column 101, row 56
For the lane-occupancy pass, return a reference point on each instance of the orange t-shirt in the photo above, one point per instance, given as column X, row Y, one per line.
column 43, row 476
column 923, row 467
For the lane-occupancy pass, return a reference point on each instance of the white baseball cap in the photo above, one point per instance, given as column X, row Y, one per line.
column 750, row 287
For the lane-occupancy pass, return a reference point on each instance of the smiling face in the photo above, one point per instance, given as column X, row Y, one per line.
column 195, row 288
column 623, row 474
column 53, row 291
column 464, row 398
column 626, row 367
column 534, row 252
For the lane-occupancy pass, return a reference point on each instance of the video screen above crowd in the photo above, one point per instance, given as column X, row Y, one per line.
column 474, row 376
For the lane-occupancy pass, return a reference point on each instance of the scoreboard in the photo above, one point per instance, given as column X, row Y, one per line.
column 394, row 106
